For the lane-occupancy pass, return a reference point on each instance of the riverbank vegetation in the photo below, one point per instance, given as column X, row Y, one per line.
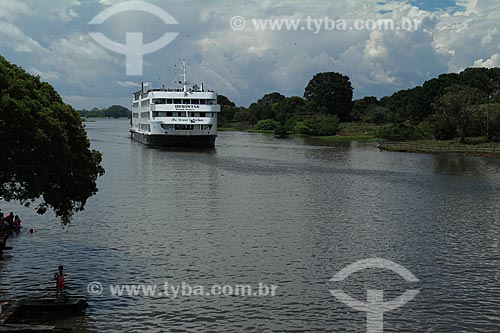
column 115, row 111
column 464, row 106
column 46, row 155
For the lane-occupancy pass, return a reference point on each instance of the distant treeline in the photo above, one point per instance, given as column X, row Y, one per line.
column 116, row 111
column 327, row 101
column 452, row 105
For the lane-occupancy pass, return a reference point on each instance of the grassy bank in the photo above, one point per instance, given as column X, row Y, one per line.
column 477, row 146
column 353, row 132
column 348, row 138
column 347, row 132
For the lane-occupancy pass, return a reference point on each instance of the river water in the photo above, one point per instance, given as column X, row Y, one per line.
column 290, row 213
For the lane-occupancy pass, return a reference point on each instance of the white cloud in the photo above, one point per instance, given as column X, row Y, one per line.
column 50, row 75
column 493, row 61
column 470, row 6
column 128, row 84
column 469, row 35
column 13, row 37
column 11, row 10
column 286, row 60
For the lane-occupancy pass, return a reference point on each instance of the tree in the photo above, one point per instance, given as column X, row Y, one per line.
column 332, row 92
column 495, row 125
column 227, row 109
column 224, row 101
column 257, row 111
column 458, row 105
column 272, row 98
column 117, row 111
column 45, row 153
column 369, row 110
column 288, row 108
column 264, row 108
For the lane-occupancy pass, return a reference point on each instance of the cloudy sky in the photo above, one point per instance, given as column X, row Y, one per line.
column 50, row 38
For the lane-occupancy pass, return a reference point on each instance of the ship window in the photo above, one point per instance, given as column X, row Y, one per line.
column 186, row 101
column 177, row 101
column 155, row 114
column 184, row 127
column 169, row 114
column 203, row 101
column 195, row 101
column 202, row 114
column 169, row 101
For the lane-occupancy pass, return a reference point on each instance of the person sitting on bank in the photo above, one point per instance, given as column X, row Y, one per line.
column 59, row 276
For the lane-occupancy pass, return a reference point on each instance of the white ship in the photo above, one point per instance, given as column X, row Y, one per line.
column 184, row 117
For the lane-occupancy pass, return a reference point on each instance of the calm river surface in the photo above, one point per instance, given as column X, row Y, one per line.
column 291, row 213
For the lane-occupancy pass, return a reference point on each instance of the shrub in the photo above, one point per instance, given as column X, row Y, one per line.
column 267, row 125
column 321, row 125
column 301, row 128
column 281, row 131
column 396, row 132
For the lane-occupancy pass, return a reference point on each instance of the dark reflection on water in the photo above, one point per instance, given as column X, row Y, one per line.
column 287, row 212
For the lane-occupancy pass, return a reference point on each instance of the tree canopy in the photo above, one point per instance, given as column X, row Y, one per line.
column 44, row 150
column 457, row 106
column 331, row 92
column 416, row 113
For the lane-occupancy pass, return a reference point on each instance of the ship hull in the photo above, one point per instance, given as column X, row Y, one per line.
column 186, row 141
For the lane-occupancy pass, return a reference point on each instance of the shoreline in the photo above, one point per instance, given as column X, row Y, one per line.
column 438, row 147
column 330, row 138
column 415, row 146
